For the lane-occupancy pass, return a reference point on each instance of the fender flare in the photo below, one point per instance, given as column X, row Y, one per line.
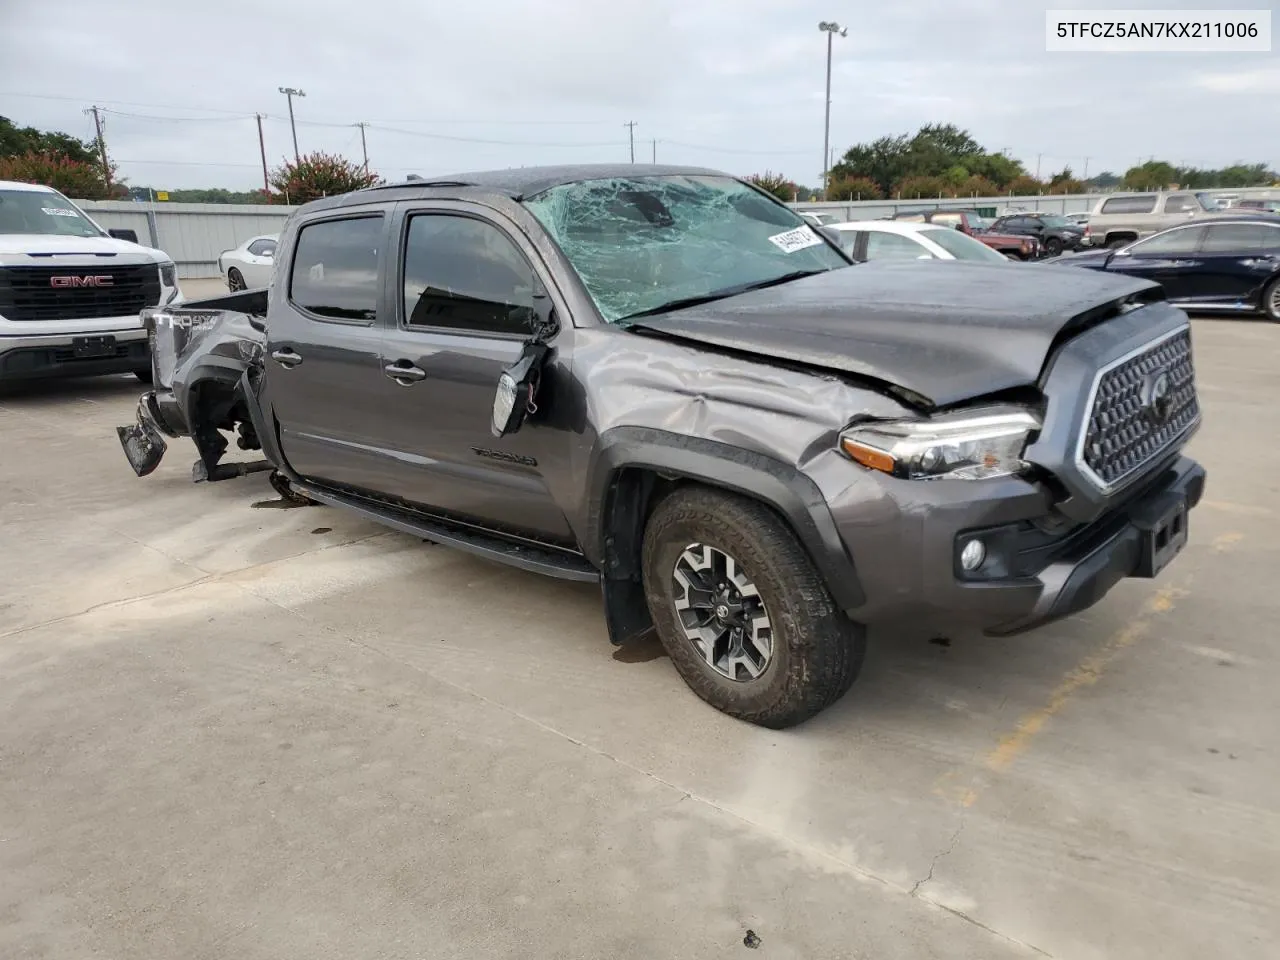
column 776, row 484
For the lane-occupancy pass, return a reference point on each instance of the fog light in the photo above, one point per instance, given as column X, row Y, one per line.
column 972, row 555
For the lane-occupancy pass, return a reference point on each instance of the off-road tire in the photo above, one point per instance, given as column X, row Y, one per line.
column 1271, row 301
column 817, row 650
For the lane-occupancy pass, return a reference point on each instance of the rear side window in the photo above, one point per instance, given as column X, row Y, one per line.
column 893, row 246
column 263, row 248
column 335, row 268
column 1181, row 203
column 1242, row 238
column 1130, row 204
column 465, row 274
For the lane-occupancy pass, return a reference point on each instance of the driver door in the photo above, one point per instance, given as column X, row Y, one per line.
column 1170, row 259
column 464, row 300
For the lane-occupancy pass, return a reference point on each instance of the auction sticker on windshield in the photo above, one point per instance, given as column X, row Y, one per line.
column 59, row 212
column 796, row 239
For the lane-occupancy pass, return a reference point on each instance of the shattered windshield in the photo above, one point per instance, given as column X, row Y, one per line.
column 647, row 243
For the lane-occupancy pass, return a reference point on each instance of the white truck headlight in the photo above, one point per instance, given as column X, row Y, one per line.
column 169, row 273
column 973, row 445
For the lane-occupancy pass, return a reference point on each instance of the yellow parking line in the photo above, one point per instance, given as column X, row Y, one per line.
column 1085, row 674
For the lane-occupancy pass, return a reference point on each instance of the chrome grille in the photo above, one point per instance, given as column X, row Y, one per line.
column 1128, row 426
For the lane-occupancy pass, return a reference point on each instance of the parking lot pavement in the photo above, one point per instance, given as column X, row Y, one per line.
column 234, row 730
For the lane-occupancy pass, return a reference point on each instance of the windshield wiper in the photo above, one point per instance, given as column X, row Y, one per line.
column 719, row 294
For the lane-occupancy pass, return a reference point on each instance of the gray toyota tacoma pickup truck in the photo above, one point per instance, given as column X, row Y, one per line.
column 662, row 380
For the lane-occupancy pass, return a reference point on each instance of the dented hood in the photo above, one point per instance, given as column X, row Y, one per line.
column 946, row 330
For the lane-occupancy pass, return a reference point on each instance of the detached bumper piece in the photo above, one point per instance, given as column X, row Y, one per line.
column 143, row 442
column 1139, row 542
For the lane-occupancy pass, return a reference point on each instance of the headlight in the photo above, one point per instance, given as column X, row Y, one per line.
column 975, row 445
column 169, row 274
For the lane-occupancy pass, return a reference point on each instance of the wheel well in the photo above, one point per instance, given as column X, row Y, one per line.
column 633, row 493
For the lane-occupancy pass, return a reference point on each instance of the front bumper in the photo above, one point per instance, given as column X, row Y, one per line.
column 31, row 357
column 905, row 538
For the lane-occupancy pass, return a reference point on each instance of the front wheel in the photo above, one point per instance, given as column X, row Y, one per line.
column 1271, row 301
column 743, row 614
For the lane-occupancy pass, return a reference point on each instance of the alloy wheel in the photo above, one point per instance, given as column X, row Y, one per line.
column 722, row 613
column 1273, row 301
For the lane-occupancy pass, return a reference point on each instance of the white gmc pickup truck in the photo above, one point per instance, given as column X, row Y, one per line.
column 71, row 293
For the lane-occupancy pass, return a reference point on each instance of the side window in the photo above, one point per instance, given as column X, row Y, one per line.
column 1242, row 238
column 335, row 268
column 1144, row 204
column 1181, row 203
column 848, row 241
column 263, row 248
column 948, row 219
column 465, row 274
column 1169, row 244
column 892, row 246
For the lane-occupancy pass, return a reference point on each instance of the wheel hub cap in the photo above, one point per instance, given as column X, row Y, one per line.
column 721, row 613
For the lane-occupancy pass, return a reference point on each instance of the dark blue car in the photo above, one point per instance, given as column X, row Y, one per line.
column 1229, row 264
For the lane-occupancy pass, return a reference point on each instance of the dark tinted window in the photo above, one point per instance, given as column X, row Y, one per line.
column 465, row 274
column 335, row 268
column 1242, row 238
column 1144, row 204
column 1182, row 203
column 1182, row 240
column 263, row 248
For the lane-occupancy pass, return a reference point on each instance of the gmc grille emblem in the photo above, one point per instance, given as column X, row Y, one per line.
column 90, row 281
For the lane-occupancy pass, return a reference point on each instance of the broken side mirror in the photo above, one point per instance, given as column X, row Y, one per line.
column 517, row 390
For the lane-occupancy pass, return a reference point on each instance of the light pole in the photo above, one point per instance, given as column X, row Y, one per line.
column 290, row 92
column 830, row 29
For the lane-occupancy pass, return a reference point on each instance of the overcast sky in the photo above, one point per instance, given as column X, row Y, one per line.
column 732, row 84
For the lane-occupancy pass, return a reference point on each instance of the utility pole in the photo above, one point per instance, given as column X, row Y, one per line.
column 1086, row 169
column 1038, row 156
column 655, row 152
column 290, row 92
column 364, row 150
column 631, row 132
column 102, row 147
column 262, row 149
column 830, row 29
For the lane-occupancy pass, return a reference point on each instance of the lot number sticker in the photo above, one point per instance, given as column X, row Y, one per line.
column 796, row 239
column 59, row 212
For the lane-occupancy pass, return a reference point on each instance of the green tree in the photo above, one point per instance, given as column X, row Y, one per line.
column 318, row 175
column 1024, row 186
column 977, row 186
column 1152, row 175
column 80, row 181
column 854, row 188
column 923, row 188
column 935, row 150
column 776, row 184
column 1103, row 181
column 16, row 141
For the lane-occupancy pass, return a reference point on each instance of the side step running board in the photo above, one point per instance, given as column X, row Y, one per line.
column 547, row 561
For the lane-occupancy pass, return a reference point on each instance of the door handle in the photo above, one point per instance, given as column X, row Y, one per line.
column 404, row 373
column 286, row 357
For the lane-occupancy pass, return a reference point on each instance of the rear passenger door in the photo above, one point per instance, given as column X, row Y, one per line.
column 1237, row 259
column 323, row 369
column 465, row 287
